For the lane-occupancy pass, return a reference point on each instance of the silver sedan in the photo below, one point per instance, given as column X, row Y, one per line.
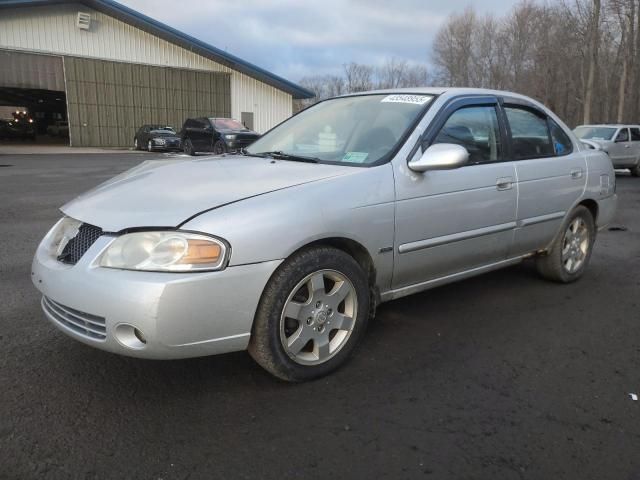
column 287, row 249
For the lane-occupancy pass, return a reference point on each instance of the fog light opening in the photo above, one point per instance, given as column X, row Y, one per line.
column 129, row 336
column 139, row 335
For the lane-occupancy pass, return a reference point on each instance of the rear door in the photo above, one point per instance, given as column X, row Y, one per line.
column 551, row 175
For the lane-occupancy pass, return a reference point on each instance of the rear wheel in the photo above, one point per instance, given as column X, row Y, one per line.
column 311, row 316
column 188, row 147
column 635, row 171
column 570, row 252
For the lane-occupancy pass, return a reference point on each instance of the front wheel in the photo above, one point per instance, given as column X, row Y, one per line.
column 149, row 146
column 311, row 316
column 570, row 252
column 635, row 171
column 219, row 148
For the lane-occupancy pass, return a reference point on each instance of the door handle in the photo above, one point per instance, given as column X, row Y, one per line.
column 576, row 173
column 504, row 183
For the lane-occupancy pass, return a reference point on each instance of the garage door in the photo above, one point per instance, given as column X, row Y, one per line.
column 108, row 101
column 29, row 71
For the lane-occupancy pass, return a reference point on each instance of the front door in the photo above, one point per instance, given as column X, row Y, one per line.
column 620, row 151
column 449, row 221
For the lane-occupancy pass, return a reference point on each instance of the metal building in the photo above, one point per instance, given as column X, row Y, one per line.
column 109, row 69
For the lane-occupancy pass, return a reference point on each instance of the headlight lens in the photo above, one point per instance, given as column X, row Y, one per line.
column 230, row 137
column 165, row 252
column 60, row 234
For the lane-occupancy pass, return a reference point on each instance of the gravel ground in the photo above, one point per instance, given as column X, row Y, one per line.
column 503, row 376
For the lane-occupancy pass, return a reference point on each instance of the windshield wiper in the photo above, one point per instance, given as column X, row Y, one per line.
column 280, row 155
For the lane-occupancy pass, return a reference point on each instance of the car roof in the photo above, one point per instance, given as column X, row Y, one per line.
column 609, row 125
column 449, row 91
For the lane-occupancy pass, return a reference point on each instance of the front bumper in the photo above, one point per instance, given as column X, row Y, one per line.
column 179, row 314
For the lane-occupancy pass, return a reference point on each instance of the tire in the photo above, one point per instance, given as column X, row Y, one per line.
column 188, row 147
column 321, row 348
column 567, row 267
column 219, row 148
column 135, row 144
column 635, row 171
column 149, row 146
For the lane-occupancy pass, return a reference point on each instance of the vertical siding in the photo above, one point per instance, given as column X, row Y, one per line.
column 51, row 29
column 108, row 100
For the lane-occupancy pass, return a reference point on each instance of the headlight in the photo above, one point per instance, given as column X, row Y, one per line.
column 230, row 137
column 160, row 141
column 165, row 252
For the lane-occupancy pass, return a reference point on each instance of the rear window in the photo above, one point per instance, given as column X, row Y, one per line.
column 529, row 134
column 635, row 134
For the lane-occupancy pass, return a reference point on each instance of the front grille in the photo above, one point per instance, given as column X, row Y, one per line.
column 78, row 245
column 85, row 324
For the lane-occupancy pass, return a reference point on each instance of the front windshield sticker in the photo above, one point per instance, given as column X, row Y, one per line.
column 355, row 157
column 414, row 99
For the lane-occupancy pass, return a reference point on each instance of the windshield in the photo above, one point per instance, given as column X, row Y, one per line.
column 227, row 124
column 162, row 130
column 349, row 130
column 595, row 133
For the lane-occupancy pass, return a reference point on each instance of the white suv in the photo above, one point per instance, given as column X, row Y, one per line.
column 621, row 142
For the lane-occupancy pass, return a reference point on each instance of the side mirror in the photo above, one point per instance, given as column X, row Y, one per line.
column 441, row 156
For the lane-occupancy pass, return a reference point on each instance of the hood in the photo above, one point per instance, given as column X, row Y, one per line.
column 236, row 132
column 165, row 193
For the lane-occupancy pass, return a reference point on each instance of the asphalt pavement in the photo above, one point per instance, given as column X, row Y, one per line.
column 504, row 376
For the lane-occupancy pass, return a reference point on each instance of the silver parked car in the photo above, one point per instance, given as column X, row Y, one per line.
column 287, row 249
column 621, row 142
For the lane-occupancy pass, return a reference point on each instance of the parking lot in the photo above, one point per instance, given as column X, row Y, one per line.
column 504, row 376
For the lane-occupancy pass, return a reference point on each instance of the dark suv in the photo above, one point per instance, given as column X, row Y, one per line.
column 217, row 135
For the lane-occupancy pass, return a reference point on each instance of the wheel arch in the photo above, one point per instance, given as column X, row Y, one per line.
column 359, row 253
column 592, row 206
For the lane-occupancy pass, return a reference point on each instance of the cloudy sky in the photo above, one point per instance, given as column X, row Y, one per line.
column 294, row 38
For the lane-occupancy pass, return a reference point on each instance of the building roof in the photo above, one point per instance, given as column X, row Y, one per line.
column 159, row 29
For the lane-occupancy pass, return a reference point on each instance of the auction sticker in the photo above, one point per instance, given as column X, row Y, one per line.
column 414, row 99
column 355, row 157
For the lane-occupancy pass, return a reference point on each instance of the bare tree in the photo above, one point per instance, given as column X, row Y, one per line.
column 358, row 77
column 594, row 44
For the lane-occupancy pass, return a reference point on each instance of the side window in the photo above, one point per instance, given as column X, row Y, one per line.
column 635, row 134
column 476, row 129
column 623, row 135
column 561, row 142
column 529, row 134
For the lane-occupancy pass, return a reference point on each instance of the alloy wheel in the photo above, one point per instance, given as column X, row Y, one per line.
column 575, row 245
column 318, row 317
